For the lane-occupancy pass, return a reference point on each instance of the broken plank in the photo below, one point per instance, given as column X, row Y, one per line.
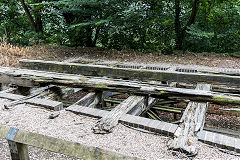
column 191, row 123
column 8, row 90
column 50, row 104
column 108, row 122
column 89, row 100
column 143, row 107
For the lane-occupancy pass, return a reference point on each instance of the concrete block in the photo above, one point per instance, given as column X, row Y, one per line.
column 127, row 119
column 224, row 140
column 159, row 127
column 217, row 139
column 231, row 143
column 152, row 125
column 172, row 129
column 209, row 137
column 237, row 145
column 201, row 135
column 165, row 128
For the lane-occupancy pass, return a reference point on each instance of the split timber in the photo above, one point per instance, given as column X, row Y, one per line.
column 33, row 78
column 143, row 73
column 191, row 123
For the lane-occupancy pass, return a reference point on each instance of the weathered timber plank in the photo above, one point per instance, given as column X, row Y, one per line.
column 102, row 83
column 163, row 66
column 158, row 126
column 54, row 105
column 108, row 122
column 215, row 88
column 3, row 131
column 191, row 123
column 90, row 100
column 139, row 108
column 140, row 74
column 72, row 149
column 35, row 93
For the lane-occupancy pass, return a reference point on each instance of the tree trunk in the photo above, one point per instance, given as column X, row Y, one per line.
column 30, row 18
column 89, row 42
column 38, row 18
column 6, row 34
column 37, row 26
column 193, row 15
column 181, row 32
column 178, row 28
column 96, row 36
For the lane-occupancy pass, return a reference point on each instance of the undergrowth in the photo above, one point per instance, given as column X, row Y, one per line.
column 10, row 54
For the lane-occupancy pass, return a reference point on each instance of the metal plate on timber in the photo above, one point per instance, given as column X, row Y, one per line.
column 11, row 134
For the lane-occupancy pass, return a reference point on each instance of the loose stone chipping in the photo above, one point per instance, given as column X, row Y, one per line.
column 71, row 127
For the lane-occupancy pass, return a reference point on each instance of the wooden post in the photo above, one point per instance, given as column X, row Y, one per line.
column 18, row 151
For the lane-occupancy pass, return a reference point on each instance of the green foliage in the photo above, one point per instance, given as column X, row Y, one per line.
column 143, row 25
column 218, row 30
column 199, row 40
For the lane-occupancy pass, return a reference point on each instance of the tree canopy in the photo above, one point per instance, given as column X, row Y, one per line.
column 143, row 25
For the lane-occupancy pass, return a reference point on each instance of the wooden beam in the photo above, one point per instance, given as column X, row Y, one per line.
column 18, row 76
column 108, row 122
column 50, row 104
column 18, row 151
column 191, row 123
column 24, row 99
column 72, row 149
column 90, row 100
column 208, row 75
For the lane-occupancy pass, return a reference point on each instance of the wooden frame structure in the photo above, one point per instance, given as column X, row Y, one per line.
column 145, row 91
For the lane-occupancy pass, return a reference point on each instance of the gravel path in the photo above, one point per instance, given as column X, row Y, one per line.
column 77, row 128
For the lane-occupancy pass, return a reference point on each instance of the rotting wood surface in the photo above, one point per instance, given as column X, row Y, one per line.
column 108, row 122
column 90, row 100
column 191, row 123
column 190, row 75
column 23, row 77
